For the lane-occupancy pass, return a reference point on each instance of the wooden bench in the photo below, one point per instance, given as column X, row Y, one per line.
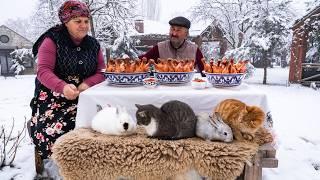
column 265, row 158
column 310, row 74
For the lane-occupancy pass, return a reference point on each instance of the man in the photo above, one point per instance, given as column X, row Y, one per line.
column 178, row 47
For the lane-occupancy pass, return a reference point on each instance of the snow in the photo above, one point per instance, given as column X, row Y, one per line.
column 11, row 9
column 294, row 111
column 276, row 76
column 294, row 107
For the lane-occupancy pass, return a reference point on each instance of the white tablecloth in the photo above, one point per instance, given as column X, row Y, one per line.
column 199, row 100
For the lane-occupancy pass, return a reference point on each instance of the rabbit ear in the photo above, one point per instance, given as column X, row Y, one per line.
column 98, row 107
column 218, row 117
column 213, row 122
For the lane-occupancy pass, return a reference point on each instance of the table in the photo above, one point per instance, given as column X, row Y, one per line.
column 199, row 100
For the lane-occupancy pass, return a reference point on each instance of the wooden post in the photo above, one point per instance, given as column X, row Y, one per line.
column 38, row 162
column 265, row 158
column 254, row 171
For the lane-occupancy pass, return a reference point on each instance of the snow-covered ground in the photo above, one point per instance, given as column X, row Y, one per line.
column 275, row 76
column 294, row 110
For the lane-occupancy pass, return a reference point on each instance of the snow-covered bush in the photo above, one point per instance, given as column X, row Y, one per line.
column 211, row 50
column 19, row 58
column 124, row 47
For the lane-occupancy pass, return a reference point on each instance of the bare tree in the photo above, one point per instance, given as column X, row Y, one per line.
column 110, row 18
column 45, row 16
column 21, row 26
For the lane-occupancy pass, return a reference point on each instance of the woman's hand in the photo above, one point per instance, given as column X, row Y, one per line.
column 83, row 86
column 70, row 91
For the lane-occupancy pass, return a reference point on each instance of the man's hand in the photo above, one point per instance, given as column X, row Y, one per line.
column 70, row 91
column 83, row 86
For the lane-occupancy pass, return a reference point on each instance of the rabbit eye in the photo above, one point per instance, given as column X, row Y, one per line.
column 225, row 133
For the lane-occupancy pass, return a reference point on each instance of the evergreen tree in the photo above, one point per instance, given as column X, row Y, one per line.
column 313, row 26
column 270, row 31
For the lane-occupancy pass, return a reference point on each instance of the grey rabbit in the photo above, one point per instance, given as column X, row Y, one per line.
column 213, row 128
column 174, row 120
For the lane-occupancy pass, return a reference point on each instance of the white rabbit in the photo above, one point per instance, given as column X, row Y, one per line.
column 213, row 128
column 113, row 121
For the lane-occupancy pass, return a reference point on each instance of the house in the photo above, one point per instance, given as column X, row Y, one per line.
column 9, row 41
column 301, row 70
column 149, row 33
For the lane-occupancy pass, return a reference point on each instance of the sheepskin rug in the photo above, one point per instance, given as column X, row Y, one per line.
column 86, row 154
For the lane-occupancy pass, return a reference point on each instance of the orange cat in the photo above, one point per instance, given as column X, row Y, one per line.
column 244, row 120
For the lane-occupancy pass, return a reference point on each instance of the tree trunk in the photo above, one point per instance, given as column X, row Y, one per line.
column 52, row 13
column 108, row 54
column 264, row 75
column 92, row 27
column 93, row 34
column 265, row 66
column 240, row 37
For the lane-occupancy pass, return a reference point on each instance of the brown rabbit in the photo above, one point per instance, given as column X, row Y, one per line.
column 244, row 120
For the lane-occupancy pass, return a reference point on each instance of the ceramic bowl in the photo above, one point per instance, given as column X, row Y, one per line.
column 174, row 77
column 126, row 79
column 150, row 82
column 224, row 80
column 198, row 83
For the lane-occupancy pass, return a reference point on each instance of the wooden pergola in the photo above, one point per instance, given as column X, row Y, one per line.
column 299, row 46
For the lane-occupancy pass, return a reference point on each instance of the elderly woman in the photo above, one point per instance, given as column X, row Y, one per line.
column 69, row 62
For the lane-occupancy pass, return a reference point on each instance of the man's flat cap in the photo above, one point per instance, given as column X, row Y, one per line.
column 180, row 21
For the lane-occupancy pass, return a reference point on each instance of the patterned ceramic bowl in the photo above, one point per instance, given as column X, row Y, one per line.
column 225, row 80
column 174, row 77
column 150, row 82
column 125, row 79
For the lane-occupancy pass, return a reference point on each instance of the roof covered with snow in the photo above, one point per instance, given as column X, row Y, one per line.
column 157, row 27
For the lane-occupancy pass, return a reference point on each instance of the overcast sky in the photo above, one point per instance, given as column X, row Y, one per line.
column 12, row 9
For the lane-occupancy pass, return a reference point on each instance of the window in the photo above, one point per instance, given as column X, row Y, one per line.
column 4, row 39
